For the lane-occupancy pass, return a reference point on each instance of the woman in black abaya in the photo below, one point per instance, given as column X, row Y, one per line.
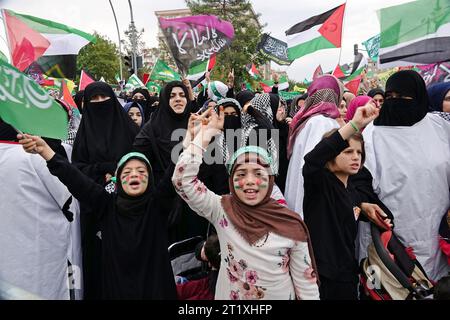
column 105, row 134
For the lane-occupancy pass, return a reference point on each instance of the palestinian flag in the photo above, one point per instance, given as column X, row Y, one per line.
column 359, row 65
column 283, row 84
column 323, row 31
column 53, row 46
column 196, row 71
column 145, row 78
column 339, row 72
column 161, row 71
column 85, row 80
column 265, row 86
column 415, row 33
column 318, row 72
column 254, row 73
column 66, row 95
column 353, row 85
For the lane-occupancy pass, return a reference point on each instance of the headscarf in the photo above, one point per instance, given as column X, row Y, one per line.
column 259, row 116
column 359, row 101
column 437, row 93
column 74, row 119
column 217, row 90
column 244, row 96
column 254, row 222
column 165, row 121
column 403, row 112
column 147, row 104
column 135, row 104
column 106, row 131
column 373, row 92
column 128, row 205
column 294, row 104
column 324, row 95
column 229, row 125
column 78, row 99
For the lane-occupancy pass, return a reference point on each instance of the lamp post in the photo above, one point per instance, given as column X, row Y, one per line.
column 120, row 43
column 133, row 38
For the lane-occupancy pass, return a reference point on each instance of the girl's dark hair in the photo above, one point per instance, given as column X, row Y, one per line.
column 356, row 136
column 212, row 250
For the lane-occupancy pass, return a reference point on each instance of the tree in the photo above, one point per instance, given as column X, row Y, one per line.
column 247, row 36
column 101, row 59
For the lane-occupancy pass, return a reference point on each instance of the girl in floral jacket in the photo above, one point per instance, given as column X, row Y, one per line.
column 265, row 247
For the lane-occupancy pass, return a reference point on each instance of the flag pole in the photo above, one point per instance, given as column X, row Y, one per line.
column 342, row 32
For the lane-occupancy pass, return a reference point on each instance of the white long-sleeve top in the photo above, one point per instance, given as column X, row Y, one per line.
column 273, row 268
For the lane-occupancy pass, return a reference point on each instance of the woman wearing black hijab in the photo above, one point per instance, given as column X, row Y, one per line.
column 105, row 134
column 406, row 100
column 154, row 140
column 144, row 98
column 78, row 99
column 136, row 262
column 283, row 130
column 378, row 96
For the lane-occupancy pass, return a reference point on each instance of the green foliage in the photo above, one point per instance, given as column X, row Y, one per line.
column 101, row 59
column 247, row 36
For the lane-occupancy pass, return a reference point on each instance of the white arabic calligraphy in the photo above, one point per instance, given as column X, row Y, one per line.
column 30, row 95
column 197, row 37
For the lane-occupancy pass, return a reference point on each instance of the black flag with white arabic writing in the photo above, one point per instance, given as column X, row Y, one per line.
column 195, row 39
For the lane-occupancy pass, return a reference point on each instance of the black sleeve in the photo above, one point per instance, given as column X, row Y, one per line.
column 165, row 188
column 142, row 142
column 96, row 171
column 362, row 182
column 202, row 97
column 326, row 150
column 275, row 89
column 230, row 92
column 80, row 186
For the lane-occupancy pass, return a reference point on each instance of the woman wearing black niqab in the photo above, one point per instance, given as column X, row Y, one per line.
column 406, row 101
column 146, row 102
column 105, row 134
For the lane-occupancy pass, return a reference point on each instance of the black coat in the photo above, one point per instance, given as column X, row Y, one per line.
column 135, row 260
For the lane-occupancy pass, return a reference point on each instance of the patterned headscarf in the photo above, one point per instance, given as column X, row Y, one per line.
column 261, row 104
column 222, row 138
column 324, row 95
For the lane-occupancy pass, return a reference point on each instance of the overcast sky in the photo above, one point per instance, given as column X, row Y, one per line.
column 360, row 21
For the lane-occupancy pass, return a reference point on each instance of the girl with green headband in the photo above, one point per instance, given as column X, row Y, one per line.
column 265, row 247
column 135, row 260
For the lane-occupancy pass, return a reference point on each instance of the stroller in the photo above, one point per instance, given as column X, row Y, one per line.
column 391, row 272
column 182, row 257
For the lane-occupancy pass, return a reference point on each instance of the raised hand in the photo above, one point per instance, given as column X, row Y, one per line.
column 35, row 144
column 364, row 115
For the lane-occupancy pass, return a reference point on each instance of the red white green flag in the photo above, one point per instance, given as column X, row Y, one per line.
column 323, row 31
column 53, row 46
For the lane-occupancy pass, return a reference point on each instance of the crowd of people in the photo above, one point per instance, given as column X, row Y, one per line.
column 286, row 192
